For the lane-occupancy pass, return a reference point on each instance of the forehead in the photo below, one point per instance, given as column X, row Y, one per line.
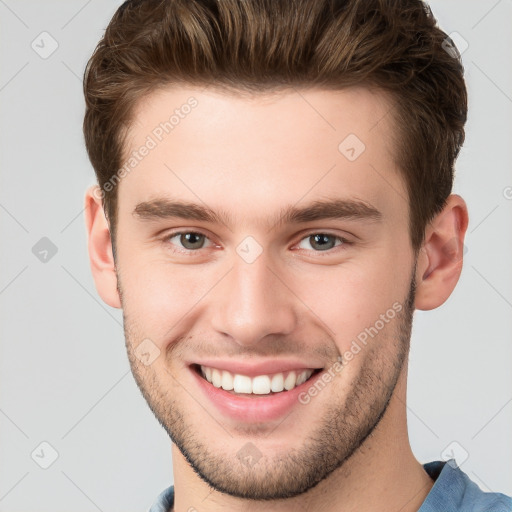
column 247, row 153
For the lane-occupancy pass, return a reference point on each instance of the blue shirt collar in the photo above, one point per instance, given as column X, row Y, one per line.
column 452, row 491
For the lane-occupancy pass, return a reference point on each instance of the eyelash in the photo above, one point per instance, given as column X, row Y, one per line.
column 190, row 252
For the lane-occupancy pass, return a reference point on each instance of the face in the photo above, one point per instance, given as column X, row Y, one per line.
column 258, row 240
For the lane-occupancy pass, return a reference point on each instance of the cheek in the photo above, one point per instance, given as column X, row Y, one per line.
column 157, row 297
column 164, row 299
column 353, row 298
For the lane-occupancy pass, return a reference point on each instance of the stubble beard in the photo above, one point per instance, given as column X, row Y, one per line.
column 345, row 424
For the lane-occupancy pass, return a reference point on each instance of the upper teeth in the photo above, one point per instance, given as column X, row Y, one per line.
column 260, row 385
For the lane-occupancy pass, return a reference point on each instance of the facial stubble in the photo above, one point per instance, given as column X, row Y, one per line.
column 344, row 427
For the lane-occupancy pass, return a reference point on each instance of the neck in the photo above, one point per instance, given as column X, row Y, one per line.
column 382, row 474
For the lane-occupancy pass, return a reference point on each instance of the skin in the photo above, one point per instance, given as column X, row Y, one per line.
column 249, row 156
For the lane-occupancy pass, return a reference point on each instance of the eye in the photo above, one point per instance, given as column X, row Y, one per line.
column 189, row 240
column 192, row 241
column 322, row 242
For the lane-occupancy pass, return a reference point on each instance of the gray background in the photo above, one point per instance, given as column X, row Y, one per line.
column 65, row 377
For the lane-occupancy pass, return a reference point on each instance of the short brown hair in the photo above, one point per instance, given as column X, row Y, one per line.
column 266, row 45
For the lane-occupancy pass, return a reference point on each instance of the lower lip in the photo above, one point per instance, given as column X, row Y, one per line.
column 254, row 408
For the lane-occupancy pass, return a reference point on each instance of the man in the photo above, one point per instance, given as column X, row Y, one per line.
column 273, row 203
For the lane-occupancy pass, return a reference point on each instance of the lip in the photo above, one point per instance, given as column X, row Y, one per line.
column 254, row 408
column 253, row 369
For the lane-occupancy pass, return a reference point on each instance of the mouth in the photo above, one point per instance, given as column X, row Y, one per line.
column 256, row 386
column 254, row 392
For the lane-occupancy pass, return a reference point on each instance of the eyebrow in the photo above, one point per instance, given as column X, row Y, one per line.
column 164, row 208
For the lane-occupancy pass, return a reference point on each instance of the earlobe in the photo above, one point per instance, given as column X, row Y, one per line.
column 441, row 256
column 100, row 248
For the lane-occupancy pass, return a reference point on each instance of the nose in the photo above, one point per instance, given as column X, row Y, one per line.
column 254, row 301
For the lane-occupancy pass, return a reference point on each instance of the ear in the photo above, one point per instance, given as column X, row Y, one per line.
column 100, row 248
column 440, row 257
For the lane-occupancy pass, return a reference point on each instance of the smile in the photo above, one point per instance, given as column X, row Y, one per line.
column 258, row 385
column 259, row 398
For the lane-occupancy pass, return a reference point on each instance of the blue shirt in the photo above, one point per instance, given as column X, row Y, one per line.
column 452, row 491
